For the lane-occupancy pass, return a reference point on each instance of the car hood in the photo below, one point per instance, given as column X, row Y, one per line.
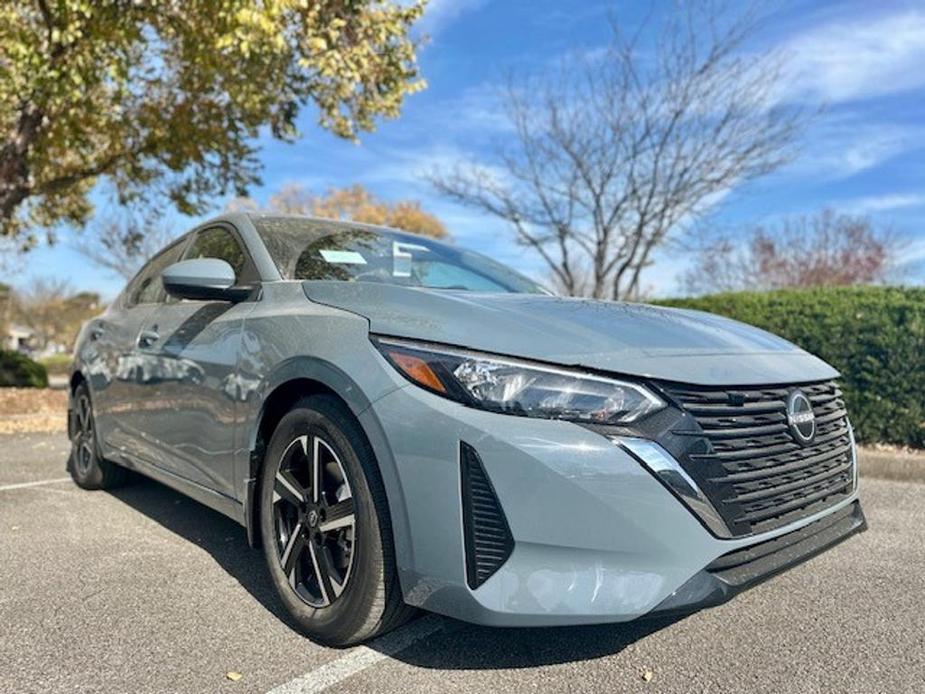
column 624, row 338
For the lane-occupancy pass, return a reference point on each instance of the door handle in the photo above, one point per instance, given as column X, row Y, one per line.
column 148, row 338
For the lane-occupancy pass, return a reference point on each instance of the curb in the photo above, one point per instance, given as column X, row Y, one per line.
column 888, row 465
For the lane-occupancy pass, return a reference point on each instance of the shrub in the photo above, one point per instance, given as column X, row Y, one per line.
column 875, row 336
column 19, row 371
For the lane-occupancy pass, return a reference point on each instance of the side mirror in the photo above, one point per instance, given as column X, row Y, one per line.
column 205, row 279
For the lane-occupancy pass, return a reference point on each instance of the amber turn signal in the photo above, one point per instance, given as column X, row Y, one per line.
column 417, row 370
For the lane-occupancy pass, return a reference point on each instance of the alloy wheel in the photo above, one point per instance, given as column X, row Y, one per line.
column 84, row 436
column 314, row 519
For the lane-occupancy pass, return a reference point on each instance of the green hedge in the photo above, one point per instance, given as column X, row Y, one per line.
column 19, row 371
column 874, row 335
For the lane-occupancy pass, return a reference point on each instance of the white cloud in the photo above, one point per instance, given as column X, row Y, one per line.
column 914, row 253
column 844, row 146
column 883, row 203
column 849, row 60
column 441, row 13
column 481, row 108
column 911, row 267
column 471, row 117
column 407, row 170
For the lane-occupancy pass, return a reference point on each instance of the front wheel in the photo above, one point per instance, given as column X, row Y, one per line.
column 325, row 526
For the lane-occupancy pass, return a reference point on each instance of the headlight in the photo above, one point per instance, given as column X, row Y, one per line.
column 520, row 388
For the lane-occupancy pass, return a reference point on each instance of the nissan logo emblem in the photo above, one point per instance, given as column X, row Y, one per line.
column 800, row 417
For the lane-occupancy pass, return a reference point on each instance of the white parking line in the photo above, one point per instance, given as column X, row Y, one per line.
column 361, row 657
column 40, row 483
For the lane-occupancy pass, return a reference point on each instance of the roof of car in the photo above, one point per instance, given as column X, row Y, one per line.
column 338, row 223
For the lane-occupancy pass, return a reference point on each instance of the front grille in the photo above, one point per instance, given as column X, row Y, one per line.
column 487, row 536
column 749, row 464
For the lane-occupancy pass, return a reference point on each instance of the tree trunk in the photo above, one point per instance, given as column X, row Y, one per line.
column 14, row 167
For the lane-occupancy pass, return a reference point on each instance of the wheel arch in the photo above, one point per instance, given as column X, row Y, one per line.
column 292, row 381
column 74, row 381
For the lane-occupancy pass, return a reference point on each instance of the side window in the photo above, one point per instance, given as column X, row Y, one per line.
column 146, row 288
column 222, row 244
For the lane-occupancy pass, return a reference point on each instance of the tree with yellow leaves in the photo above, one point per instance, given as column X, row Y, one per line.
column 354, row 203
column 168, row 96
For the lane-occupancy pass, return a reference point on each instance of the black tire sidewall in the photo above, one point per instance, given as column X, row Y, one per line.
column 350, row 614
column 92, row 478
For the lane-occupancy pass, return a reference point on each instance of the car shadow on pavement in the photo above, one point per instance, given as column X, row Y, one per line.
column 224, row 539
column 457, row 646
column 471, row 647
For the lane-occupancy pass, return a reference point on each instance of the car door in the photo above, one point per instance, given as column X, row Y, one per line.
column 192, row 348
column 113, row 367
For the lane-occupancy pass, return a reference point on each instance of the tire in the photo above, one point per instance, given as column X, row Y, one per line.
column 330, row 557
column 87, row 467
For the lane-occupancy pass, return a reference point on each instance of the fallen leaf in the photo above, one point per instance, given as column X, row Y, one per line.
column 32, row 410
column 234, row 676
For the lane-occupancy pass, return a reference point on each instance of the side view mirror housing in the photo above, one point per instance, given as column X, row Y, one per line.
column 203, row 279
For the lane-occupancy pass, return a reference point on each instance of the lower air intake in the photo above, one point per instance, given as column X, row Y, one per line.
column 487, row 535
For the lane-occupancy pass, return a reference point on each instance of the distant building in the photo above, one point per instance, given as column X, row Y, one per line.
column 18, row 338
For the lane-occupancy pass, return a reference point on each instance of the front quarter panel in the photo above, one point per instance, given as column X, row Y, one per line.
column 287, row 337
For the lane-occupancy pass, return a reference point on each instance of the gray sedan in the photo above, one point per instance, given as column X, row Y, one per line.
column 402, row 424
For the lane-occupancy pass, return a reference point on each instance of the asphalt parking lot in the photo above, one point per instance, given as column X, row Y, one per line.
column 143, row 590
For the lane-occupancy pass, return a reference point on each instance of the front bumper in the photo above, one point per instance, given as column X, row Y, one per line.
column 745, row 568
column 597, row 538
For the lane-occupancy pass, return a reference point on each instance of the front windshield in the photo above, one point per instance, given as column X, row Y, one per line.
column 308, row 249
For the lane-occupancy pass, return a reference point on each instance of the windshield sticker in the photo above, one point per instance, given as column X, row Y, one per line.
column 402, row 257
column 343, row 257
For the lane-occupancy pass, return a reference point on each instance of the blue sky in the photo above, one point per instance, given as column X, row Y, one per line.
column 864, row 154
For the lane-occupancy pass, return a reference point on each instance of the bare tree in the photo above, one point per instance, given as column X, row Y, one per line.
column 53, row 310
column 823, row 249
column 121, row 242
column 619, row 150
